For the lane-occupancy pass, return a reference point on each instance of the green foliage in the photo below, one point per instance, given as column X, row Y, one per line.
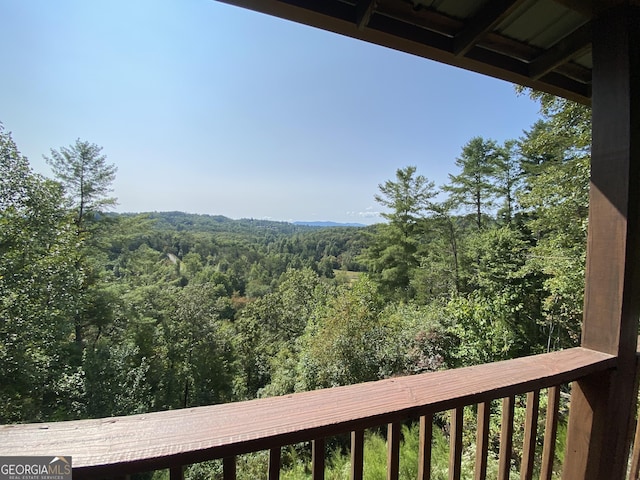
column 37, row 286
column 408, row 198
column 472, row 187
column 556, row 201
column 86, row 177
column 199, row 347
column 115, row 380
column 483, row 330
column 392, row 254
column 354, row 337
column 507, row 172
column 267, row 333
column 340, row 341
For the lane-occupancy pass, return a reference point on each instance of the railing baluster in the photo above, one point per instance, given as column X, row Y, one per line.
column 357, row 454
column 550, row 431
column 274, row 463
column 530, row 432
column 506, row 438
column 176, row 473
column 229, row 468
column 482, row 440
column 455, row 444
column 424, row 452
column 317, row 459
column 393, row 451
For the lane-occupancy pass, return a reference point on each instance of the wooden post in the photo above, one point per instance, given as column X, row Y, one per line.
column 176, row 473
column 357, row 455
column 530, row 435
column 601, row 406
column 393, row 450
column 550, row 433
column 506, row 438
column 317, row 459
column 424, row 448
column 274, row 463
column 482, row 440
column 229, row 468
column 455, row 443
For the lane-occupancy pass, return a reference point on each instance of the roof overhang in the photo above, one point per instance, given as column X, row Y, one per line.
column 542, row 44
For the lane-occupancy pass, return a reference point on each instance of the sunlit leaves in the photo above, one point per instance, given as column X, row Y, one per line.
column 37, row 284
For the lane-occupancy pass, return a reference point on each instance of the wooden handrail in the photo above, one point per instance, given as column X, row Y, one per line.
column 170, row 439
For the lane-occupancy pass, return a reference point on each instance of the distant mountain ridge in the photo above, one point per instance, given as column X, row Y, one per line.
column 181, row 221
column 329, row 224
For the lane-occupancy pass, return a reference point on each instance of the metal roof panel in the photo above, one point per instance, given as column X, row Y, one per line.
column 541, row 23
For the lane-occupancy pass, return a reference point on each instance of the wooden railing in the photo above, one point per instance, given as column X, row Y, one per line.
column 118, row 446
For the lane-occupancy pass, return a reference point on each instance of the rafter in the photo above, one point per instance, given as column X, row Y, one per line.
column 482, row 23
column 364, row 10
column 566, row 49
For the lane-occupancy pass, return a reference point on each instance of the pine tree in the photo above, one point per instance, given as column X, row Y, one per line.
column 473, row 187
column 393, row 254
column 86, row 177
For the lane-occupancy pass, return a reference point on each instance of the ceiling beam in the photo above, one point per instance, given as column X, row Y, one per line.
column 364, row 10
column 563, row 51
column 482, row 23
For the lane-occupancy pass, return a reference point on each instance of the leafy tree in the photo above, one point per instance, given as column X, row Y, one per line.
column 268, row 329
column 86, row 177
column 341, row 342
column 559, row 199
column 481, row 323
column 200, row 347
column 441, row 272
column 501, row 272
column 556, row 201
column 564, row 131
column 539, row 148
column 37, row 285
column 116, row 380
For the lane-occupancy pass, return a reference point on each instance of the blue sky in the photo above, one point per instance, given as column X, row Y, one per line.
column 209, row 108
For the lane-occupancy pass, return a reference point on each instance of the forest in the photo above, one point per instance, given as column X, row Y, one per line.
column 108, row 314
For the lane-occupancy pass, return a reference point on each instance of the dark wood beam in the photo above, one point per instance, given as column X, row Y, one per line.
column 602, row 407
column 576, row 72
column 364, row 10
column 481, row 23
column 563, row 51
